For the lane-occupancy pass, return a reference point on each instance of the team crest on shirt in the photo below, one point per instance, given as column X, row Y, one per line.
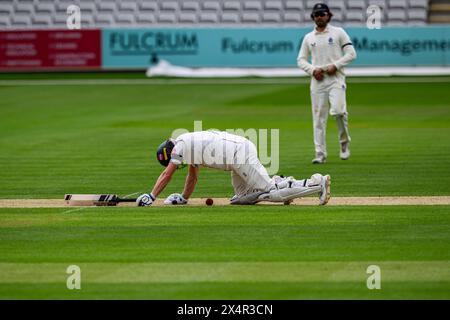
column 330, row 40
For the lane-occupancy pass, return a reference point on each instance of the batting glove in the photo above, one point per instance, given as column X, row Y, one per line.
column 175, row 198
column 145, row 200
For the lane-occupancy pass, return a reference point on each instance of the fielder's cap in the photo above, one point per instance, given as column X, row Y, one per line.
column 320, row 7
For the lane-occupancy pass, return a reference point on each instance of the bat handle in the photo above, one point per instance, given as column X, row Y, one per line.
column 125, row 200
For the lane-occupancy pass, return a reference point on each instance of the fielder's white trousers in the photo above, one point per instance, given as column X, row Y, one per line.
column 250, row 176
column 332, row 100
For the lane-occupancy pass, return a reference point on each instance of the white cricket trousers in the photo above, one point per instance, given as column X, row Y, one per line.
column 333, row 101
column 248, row 174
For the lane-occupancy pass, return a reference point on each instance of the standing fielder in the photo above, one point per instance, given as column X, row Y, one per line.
column 229, row 152
column 330, row 49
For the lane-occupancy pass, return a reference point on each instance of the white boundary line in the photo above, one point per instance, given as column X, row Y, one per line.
column 212, row 81
column 74, row 210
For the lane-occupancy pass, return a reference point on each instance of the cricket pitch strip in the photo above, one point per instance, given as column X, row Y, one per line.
column 310, row 201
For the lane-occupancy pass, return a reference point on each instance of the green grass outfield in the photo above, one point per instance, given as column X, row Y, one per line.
column 226, row 252
column 98, row 134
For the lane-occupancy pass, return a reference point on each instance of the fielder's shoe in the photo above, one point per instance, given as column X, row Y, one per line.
column 325, row 193
column 319, row 159
column 345, row 151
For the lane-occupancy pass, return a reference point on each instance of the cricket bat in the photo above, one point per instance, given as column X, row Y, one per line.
column 94, row 199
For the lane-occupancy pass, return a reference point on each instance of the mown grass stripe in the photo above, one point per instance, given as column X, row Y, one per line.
column 330, row 271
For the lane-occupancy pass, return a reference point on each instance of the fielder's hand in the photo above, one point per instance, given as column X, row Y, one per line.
column 145, row 200
column 331, row 69
column 175, row 198
column 318, row 74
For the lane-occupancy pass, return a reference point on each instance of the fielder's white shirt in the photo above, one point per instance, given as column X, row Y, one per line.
column 213, row 149
column 332, row 46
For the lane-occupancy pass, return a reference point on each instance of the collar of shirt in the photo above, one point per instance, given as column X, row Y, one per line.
column 327, row 29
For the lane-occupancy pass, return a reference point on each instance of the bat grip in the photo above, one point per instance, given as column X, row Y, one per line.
column 125, row 200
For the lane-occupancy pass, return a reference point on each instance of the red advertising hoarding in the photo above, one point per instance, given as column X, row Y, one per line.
column 50, row 50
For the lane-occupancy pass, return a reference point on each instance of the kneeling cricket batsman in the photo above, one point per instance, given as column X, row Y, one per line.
column 229, row 152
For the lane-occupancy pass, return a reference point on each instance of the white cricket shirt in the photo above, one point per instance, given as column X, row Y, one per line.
column 332, row 46
column 214, row 149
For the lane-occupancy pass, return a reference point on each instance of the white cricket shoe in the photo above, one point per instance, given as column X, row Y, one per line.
column 325, row 193
column 345, row 151
column 319, row 159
